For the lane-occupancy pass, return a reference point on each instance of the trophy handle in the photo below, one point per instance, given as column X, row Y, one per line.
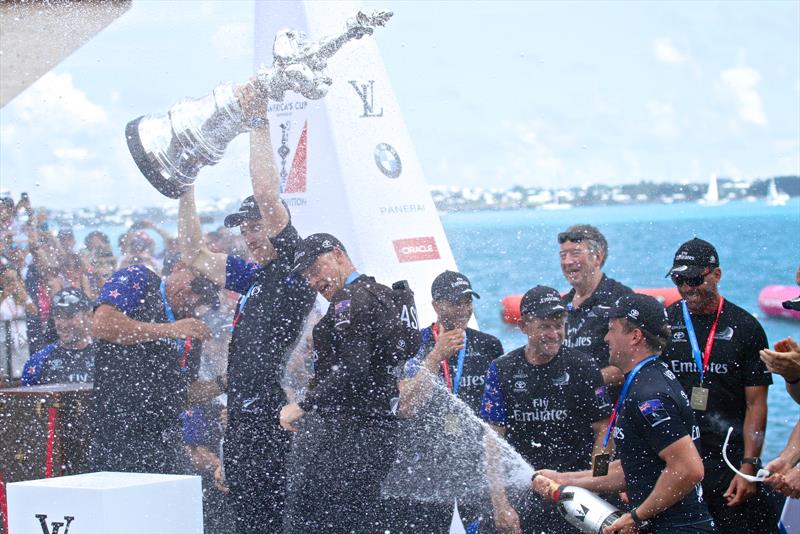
column 162, row 183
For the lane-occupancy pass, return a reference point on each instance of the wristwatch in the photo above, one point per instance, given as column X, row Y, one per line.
column 752, row 460
column 638, row 521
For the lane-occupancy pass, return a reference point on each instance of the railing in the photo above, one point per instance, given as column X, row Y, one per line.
column 13, row 347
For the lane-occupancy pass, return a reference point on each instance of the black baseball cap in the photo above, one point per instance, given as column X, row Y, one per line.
column 451, row 286
column 542, row 301
column 693, row 258
column 70, row 301
column 247, row 211
column 311, row 248
column 643, row 311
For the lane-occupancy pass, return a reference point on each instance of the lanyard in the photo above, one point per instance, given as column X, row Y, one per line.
column 187, row 343
column 701, row 359
column 612, row 423
column 242, row 303
column 452, row 385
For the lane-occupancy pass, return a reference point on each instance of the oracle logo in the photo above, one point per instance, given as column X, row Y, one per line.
column 416, row 249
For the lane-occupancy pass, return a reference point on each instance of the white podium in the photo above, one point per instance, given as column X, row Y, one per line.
column 107, row 503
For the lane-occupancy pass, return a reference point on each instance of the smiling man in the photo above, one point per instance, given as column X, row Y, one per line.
column 714, row 350
column 549, row 402
column 583, row 252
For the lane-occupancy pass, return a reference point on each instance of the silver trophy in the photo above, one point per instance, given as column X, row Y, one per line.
column 170, row 149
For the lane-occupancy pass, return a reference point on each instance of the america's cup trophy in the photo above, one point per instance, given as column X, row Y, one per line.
column 170, row 149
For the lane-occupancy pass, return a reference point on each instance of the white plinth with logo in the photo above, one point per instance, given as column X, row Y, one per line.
column 107, row 503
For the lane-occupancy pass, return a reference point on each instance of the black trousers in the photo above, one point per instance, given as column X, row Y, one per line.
column 137, row 446
column 335, row 471
column 255, row 451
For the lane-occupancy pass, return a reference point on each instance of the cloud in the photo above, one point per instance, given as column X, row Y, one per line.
column 663, row 115
column 666, row 52
column 233, row 40
column 741, row 82
column 71, row 153
column 539, row 156
column 55, row 99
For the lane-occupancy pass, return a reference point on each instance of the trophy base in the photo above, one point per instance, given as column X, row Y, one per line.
column 164, row 186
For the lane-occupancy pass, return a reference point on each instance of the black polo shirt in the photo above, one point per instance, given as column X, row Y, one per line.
column 55, row 364
column 358, row 341
column 547, row 410
column 656, row 413
column 481, row 350
column 734, row 365
column 268, row 320
column 587, row 324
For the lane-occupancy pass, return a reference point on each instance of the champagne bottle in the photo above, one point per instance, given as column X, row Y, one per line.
column 580, row 507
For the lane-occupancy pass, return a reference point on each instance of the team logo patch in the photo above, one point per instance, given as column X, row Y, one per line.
column 562, row 380
column 342, row 313
column 520, row 386
column 654, row 412
column 726, row 334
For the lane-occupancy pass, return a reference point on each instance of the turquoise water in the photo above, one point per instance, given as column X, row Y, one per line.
column 511, row 251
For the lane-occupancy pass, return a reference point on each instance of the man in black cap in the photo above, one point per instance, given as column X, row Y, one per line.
column 583, row 252
column 456, row 357
column 714, row 351
column 654, row 428
column 267, row 323
column 347, row 436
column 71, row 358
column 550, row 403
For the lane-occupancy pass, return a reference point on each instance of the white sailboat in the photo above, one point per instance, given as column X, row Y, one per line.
column 712, row 195
column 774, row 197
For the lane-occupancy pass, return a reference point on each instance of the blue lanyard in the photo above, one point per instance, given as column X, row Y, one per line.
column 460, row 366
column 698, row 356
column 352, row 277
column 622, row 395
column 180, row 346
column 246, row 296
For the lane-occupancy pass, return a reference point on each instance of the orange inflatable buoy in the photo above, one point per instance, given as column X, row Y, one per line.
column 665, row 295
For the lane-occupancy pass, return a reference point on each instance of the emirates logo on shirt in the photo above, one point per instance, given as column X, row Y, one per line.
column 416, row 249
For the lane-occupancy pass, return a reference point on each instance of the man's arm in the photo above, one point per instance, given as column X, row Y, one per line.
column 114, row 326
column 599, row 430
column 506, row 518
column 193, row 248
column 612, row 376
column 263, row 169
column 613, row 482
column 755, row 424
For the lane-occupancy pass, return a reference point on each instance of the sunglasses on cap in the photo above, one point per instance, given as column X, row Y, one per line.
column 691, row 281
column 65, row 300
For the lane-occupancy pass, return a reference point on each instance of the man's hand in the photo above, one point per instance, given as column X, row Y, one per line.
column 290, row 414
column 219, row 479
column 739, row 490
column 784, row 360
column 506, row 519
column 787, row 483
column 194, row 328
column 448, row 344
column 624, row 525
column 562, row 479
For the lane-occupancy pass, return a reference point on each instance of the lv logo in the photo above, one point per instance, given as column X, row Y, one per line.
column 56, row 525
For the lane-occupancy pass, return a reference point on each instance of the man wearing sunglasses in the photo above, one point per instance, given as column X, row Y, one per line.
column 583, row 252
column 714, row 350
column 71, row 358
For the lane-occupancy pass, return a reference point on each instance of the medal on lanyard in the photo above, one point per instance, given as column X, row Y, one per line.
column 186, row 346
column 600, row 461
column 699, row 397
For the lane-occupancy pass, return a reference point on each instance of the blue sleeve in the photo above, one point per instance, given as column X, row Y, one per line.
column 492, row 408
column 195, row 429
column 32, row 372
column 125, row 289
column 239, row 274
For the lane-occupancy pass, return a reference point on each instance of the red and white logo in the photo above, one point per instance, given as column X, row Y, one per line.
column 416, row 249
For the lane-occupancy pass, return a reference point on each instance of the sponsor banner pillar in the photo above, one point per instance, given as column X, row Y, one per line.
column 347, row 163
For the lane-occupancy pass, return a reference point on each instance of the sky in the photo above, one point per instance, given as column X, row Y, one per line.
column 493, row 94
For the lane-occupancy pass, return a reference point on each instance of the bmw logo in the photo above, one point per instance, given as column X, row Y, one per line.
column 387, row 160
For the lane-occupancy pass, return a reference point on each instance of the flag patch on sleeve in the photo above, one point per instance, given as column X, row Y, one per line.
column 654, row 412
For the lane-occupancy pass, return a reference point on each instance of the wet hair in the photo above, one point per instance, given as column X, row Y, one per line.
column 96, row 233
column 593, row 237
column 656, row 343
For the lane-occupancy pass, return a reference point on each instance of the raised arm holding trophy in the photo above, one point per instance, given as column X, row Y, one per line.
column 170, row 149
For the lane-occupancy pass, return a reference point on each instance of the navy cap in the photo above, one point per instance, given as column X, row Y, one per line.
column 643, row 311
column 542, row 301
column 70, row 301
column 247, row 211
column 312, row 248
column 452, row 286
column 693, row 258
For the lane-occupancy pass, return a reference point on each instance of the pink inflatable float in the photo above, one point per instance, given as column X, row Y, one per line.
column 771, row 299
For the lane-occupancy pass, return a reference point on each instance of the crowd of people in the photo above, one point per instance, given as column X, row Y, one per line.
column 217, row 356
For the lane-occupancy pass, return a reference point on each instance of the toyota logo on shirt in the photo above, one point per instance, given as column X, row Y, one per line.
column 416, row 249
